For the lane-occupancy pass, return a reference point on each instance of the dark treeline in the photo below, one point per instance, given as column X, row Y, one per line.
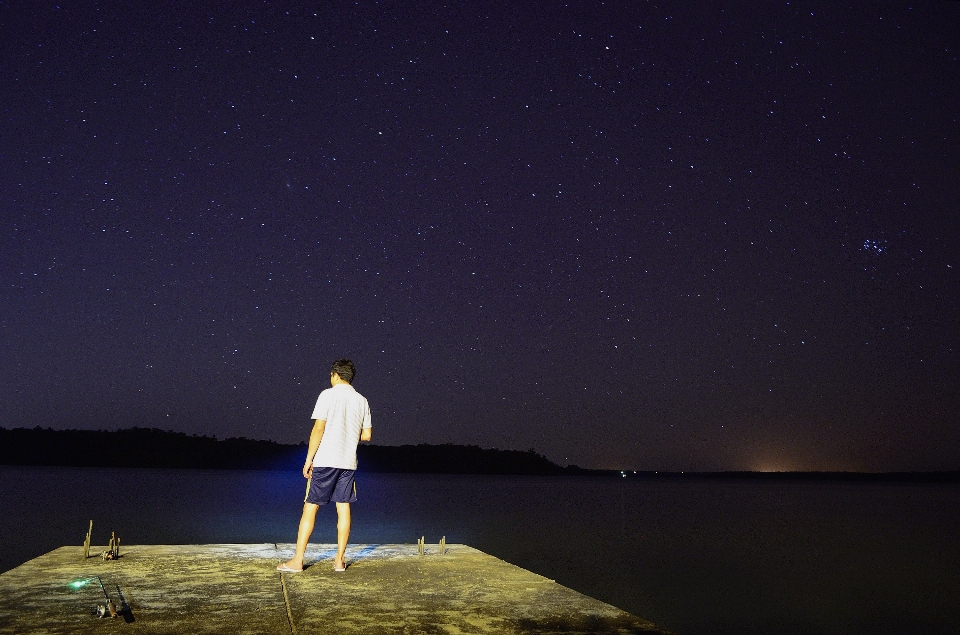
column 149, row 447
column 141, row 447
column 458, row 459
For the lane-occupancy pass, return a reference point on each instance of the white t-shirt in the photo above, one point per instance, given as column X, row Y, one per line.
column 347, row 413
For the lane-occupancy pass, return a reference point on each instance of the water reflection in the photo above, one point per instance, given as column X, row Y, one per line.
column 694, row 556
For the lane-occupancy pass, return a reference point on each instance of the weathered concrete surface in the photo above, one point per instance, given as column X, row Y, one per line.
column 171, row 589
column 235, row 589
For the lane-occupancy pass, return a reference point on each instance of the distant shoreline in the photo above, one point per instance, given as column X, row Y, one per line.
column 153, row 448
column 150, row 447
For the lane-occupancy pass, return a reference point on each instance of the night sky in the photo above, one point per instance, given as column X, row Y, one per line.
column 678, row 236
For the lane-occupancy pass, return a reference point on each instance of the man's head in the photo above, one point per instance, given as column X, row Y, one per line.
column 345, row 369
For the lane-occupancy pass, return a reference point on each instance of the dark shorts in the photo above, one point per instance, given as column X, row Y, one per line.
column 331, row 484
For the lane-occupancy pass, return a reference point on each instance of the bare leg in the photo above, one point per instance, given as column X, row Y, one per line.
column 303, row 535
column 343, row 533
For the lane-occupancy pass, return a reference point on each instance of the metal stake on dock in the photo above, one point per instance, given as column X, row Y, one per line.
column 86, row 543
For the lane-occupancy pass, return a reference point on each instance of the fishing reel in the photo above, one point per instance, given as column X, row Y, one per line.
column 108, row 610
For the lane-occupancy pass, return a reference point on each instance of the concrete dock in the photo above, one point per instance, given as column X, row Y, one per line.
column 235, row 589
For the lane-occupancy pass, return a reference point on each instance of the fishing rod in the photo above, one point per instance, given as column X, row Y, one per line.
column 110, row 607
column 102, row 610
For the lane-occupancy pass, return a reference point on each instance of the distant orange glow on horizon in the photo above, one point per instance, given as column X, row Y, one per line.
column 772, row 467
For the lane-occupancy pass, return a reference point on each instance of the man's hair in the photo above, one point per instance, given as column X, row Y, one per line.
column 344, row 368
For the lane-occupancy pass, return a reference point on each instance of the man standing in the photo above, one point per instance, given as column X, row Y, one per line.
column 341, row 421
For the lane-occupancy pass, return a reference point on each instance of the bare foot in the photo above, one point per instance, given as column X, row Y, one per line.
column 339, row 565
column 290, row 567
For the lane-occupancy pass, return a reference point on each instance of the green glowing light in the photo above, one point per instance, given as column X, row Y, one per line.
column 80, row 583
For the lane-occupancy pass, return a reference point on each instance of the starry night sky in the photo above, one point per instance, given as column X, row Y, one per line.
column 678, row 236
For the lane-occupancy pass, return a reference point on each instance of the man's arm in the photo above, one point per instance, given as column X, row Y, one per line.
column 366, row 430
column 315, row 435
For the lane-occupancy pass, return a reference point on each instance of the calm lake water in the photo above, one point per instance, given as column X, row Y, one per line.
column 700, row 557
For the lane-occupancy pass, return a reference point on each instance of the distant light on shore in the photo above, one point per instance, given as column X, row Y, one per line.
column 773, row 467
